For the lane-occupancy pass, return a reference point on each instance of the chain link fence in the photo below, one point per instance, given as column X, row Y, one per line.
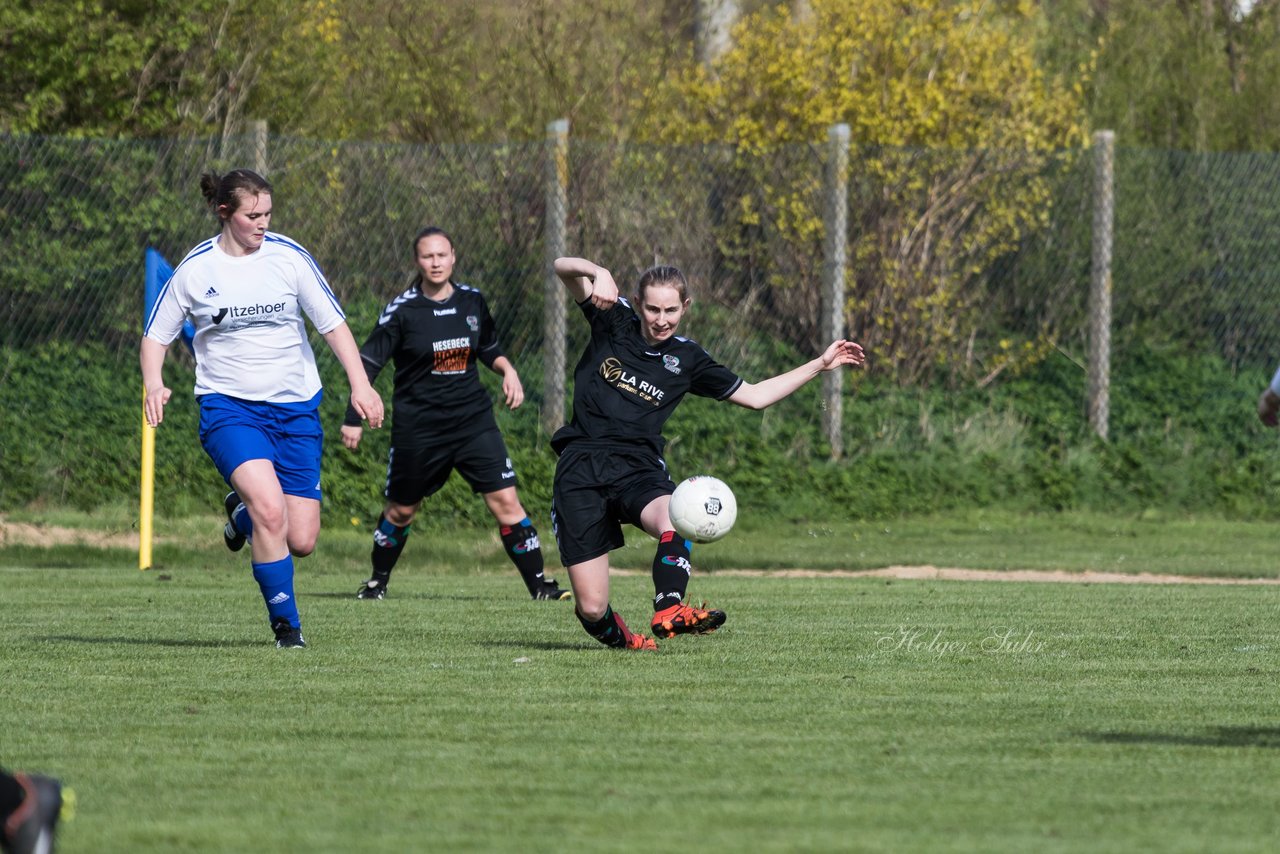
column 959, row 264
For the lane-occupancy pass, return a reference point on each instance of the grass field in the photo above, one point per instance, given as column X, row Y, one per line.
column 828, row 714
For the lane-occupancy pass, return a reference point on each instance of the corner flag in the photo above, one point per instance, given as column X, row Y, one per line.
column 159, row 271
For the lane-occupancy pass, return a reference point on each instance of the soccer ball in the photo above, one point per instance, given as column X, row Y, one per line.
column 703, row 509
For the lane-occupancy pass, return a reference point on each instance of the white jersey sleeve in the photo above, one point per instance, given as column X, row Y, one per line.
column 314, row 294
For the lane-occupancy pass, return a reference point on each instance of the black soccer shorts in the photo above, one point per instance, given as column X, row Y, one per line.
column 417, row 473
column 597, row 488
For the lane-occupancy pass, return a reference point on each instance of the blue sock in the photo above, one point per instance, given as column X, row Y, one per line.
column 276, row 581
column 244, row 524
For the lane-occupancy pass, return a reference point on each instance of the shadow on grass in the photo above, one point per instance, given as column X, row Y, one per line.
column 426, row 597
column 1223, row 736
column 522, row 643
column 205, row 644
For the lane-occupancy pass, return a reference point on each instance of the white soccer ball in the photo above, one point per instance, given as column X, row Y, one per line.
column 703, row 509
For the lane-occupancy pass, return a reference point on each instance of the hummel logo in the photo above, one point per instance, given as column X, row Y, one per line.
column 279, row 598
column 212, row 292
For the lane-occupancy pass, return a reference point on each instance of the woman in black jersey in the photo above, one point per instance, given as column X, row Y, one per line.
column 444, row 420
column 632, row 375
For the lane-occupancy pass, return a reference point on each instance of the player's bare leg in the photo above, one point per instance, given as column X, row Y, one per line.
column 302, row 521
column 256, row 483
column 590, row 581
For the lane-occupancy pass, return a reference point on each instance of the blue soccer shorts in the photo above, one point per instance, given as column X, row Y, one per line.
column 234, row 431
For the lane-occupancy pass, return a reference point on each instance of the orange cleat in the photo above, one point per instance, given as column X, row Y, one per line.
column 630, row 640
column 635, row 641
column 687, row 620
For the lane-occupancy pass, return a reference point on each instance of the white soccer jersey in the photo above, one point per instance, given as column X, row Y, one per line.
column 251, row 339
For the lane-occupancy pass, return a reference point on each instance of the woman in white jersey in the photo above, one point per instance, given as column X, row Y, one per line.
column 246, row 291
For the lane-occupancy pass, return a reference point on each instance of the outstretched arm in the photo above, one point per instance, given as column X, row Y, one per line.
column 585, row 279
column 768, row 392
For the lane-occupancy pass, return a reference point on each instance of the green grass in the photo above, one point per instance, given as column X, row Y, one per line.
column 1152, row 542
column 828, row 714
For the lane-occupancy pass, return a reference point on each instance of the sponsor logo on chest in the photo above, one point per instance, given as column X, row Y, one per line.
column 239, row 316
column 623, row 380
column 450, row 344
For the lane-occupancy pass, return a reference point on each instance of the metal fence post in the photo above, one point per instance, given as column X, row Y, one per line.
column 258, row 144
column 1099, row 390
column 835, row 260
column 553, row 329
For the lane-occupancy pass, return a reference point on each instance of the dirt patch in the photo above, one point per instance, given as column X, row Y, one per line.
column 934, row 573
column 25, row 534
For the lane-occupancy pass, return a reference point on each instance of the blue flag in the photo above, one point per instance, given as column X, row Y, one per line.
column 159, row 271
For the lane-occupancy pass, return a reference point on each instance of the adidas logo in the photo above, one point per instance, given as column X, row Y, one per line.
column 212, row 292
column 279, row 598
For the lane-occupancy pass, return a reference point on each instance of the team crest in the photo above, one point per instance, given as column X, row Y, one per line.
column 473, row 322
column 671, row 363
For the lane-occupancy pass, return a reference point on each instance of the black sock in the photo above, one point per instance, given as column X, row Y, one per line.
column 520, row 541
column 11, row 795
column 388, row 542
column 609, row 629
column 671, row 568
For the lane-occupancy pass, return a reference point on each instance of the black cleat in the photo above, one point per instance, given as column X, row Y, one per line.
column 287, row 637
column 551, row 591
column 30, row 828
column 372, row 589
column 230, row 534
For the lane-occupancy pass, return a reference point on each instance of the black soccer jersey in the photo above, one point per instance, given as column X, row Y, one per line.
column 435, row 346
column 625, row 388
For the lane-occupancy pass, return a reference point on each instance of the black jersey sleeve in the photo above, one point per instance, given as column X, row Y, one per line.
column 377, row 350
column 712, row 379
column 489, row 349
column 616, row 318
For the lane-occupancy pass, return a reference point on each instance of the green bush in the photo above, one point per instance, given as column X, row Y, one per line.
column 1183, row 437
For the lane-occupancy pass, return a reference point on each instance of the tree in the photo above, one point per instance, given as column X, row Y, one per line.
column 121, row 67
column 953, row 124
column 405, row 71
column 1173, row 74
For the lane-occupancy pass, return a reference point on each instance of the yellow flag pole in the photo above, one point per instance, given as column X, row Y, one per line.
column 148, row 490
